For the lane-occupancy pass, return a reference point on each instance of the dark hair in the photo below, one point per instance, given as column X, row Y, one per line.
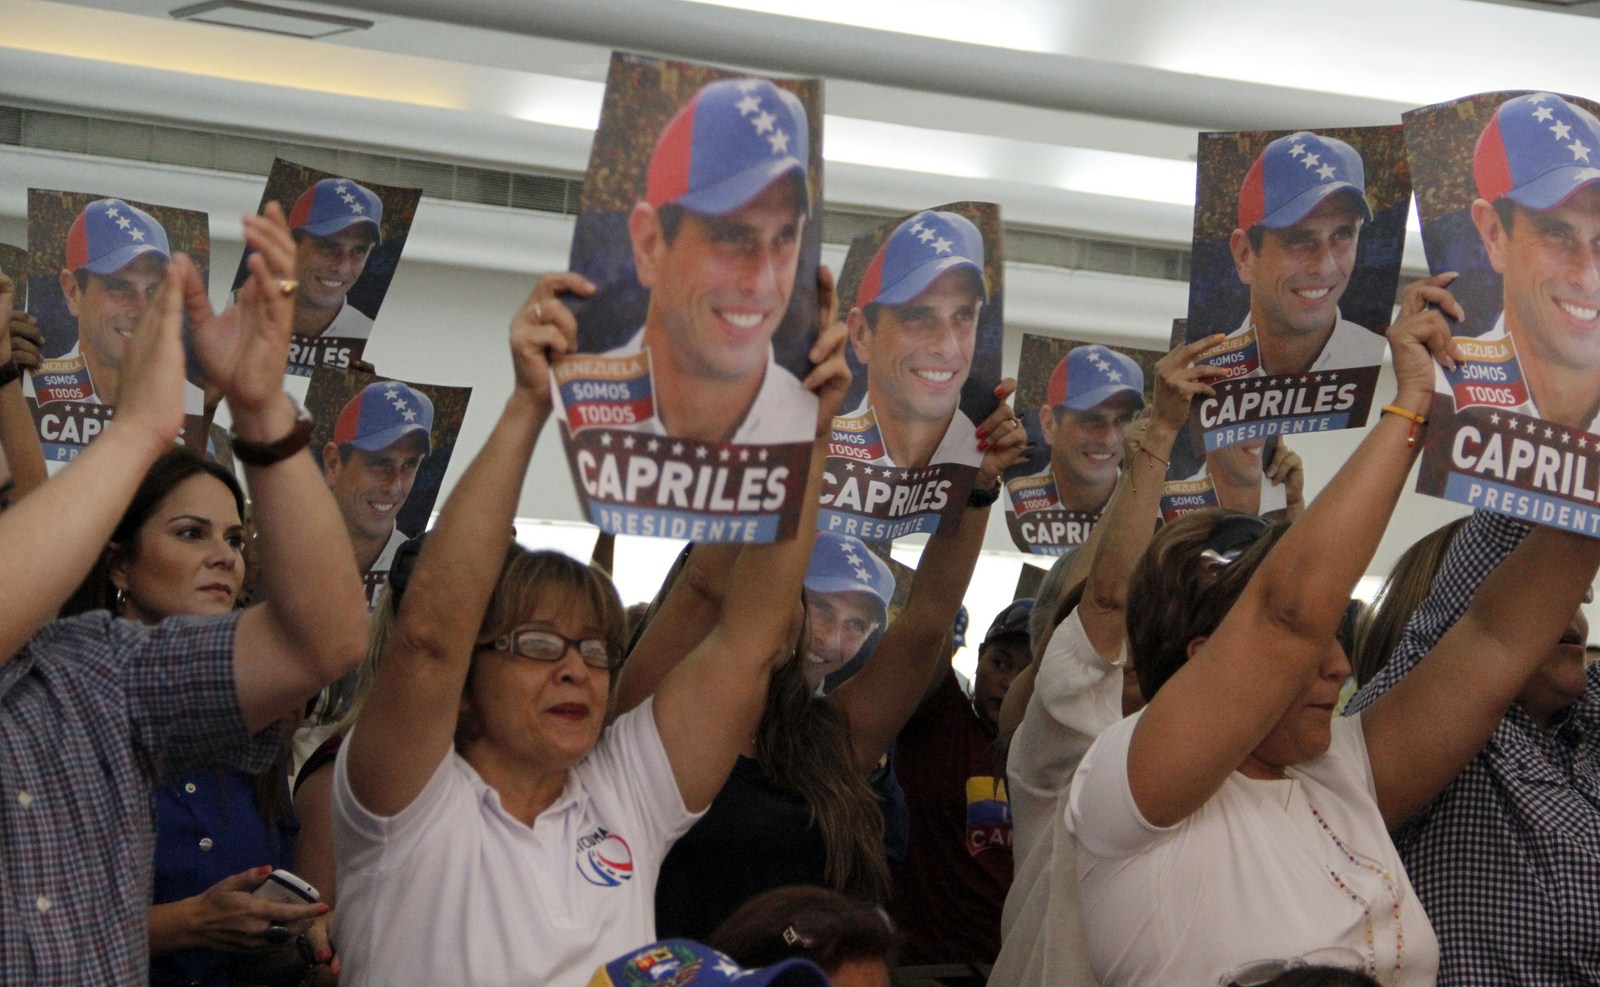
column 803, row 744
column 96, row 592
column 1175, row 595
column 815, row 923
column 1257, row 235
column 1507, row 211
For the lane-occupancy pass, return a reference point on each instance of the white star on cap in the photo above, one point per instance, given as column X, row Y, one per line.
column 926, row 234
column 1579, row 151
column 399, row 404
column 409, row 415
column 1538, row 97
column 123, row 222
column 726, row 969
column 1326, row 171
column 763, row 121
column 1297, row 150
column 112, row 211
column 1311, row 159
column 348, row 197
column 748, row 105
column 137, row 235
column 1561, row 130
column 357, row 207
column 1115, row 375
column 941, row 246
column 916, row 227
column 746, row 85
column 779, row 141
column 339, row 187
column 391, row 393
column 1542, row 114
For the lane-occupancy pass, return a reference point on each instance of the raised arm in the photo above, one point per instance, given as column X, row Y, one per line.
column 1277, row 637
column 20, row 451
column 408, row 723
column 709, row 705
column 880, row 698
column 1476, row 670
column 1129, row 521
column 312, row 627
column 54, row 535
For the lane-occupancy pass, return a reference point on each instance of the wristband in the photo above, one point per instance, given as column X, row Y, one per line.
column 1417, row 421
column 983, row 498
column 267, row 453
column 9, row 371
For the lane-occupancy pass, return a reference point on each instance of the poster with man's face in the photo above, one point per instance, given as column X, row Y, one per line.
column 348, row 238
column 1233, row 476
column 383, row 446
column 682, row 411
column 1508, row 190
column 94, row 263
column 1076, row 399
column 922, row 295
column 1297, row 245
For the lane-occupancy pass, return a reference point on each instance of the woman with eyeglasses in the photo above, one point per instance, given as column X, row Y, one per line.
column 1234, row 818
column 854, row 943
column 487, row 830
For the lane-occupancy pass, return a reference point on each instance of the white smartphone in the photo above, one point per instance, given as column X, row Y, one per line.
column 283, row 886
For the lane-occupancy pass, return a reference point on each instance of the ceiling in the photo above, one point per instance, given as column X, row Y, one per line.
column 1075, row 115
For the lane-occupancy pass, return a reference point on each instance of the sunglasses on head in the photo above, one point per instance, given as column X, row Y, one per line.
column 1230, row 537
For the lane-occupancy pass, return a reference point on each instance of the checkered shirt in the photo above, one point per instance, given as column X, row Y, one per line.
column 1506, row 859
column 94, row 713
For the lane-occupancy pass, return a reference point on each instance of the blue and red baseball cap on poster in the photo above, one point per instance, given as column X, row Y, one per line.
column 1091, row 375
column 1294, row 174
column 385, row 412
column 917, row 253
column 109, row 234
column 844, row 564
column 727, row 144
column 1537, row 151
column 335, row 204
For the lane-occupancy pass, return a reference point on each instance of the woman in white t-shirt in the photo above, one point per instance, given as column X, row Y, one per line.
column 1234, row 819
column 486, row 831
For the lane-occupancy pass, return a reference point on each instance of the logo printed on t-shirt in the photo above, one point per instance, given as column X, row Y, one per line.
column 988, row 814
column 604, row 858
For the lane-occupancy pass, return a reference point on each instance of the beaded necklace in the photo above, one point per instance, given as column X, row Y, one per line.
column 1372, row 866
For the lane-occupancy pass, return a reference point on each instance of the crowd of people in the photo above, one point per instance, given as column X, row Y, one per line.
column 773, row 774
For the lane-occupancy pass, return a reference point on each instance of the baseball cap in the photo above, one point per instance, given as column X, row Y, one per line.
column 385, row 412
column 1012, row 620
column 727, row 144
column 917, row 252
column 109, row 234
column 684, row 963
column 1090, row 375
column 844, row 564
column 335, row 204
column 1537, row 150
column 1292, row 176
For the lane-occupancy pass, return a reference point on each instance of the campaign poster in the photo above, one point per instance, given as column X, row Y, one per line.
column 383, row 446
column 1076, row 399
column 922, row 297
column 682, row 411
column 1297, row 244
column 94, row 263
column 1508, row 191
column 349, row 234
column 1232, row 476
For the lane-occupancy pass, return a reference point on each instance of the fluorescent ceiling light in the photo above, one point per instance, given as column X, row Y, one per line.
column 1025, row 27
column 272, row 20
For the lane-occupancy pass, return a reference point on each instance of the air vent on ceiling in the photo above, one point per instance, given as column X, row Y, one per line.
column 271, row 19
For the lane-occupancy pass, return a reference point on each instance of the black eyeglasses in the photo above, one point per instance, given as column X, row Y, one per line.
column 549, row 646
column 1230, row 537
